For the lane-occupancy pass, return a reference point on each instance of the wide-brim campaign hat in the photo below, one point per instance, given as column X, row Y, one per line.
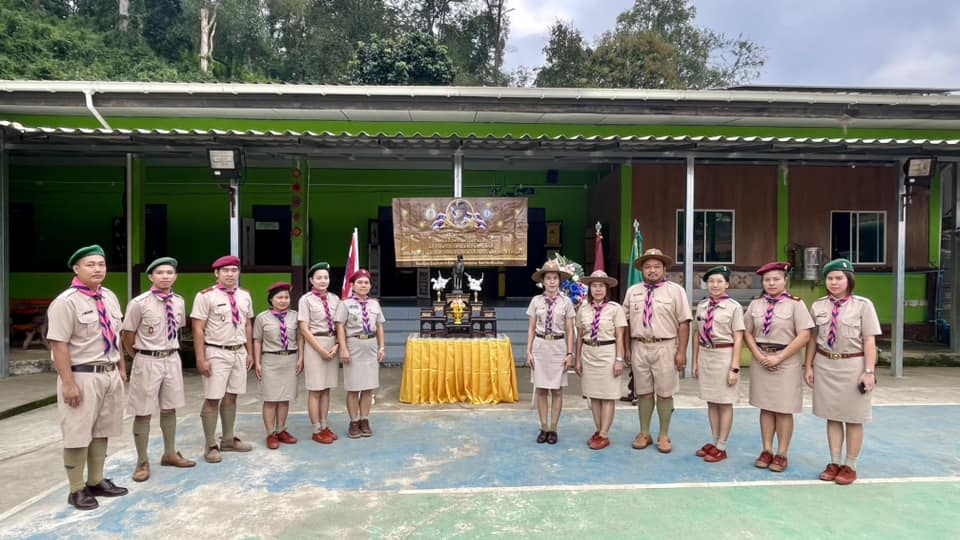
column 599, row 276
column 550, row 266
column 653, row 253
column 85, row 251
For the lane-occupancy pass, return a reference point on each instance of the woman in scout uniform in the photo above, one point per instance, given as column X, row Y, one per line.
column 777, row 327
column 83, row 322
column 360, row 335
column 151, row 335
column 223, row 343
column 550, row 346
column 600, row 354
column 321, row 363
column 718, row 327
column 840, row 368
column 278, row 359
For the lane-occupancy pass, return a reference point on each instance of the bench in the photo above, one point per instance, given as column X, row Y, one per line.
column 28, row 316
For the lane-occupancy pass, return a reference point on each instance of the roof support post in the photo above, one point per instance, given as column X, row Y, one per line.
column 896, row 363
column 954, row 266
column 688, row 242
column 234, row 191
column 4, row 260
column 128, row 212
column 458, row 173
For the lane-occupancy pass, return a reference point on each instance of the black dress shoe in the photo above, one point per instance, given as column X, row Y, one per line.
column 82, row 500
column 542, row 437
column 552, row 437
column 106, row 488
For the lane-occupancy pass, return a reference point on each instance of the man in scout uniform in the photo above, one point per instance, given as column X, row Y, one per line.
column 150, row 334
column 659, row 315
column 223, row 341
column 82, row 330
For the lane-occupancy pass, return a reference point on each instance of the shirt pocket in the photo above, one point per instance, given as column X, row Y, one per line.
column 663, row 306
column 850, row 326
column 223, row 313
column 88, row 324
column 153, row 326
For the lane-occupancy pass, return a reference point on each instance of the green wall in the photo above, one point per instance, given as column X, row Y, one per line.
column 878, row 288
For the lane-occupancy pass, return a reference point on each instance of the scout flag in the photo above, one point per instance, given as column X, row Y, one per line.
column 635, row 276
column 598, row 251
column 353, row 264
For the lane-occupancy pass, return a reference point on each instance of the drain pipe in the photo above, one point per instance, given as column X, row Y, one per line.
column 88, row 95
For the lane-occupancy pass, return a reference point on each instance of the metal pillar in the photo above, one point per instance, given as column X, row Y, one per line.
column 458, row 173
column 688, row 244
column 4, row 260
column 235, row 217
column 128, row 212
column 954, row 262
column 896, row 364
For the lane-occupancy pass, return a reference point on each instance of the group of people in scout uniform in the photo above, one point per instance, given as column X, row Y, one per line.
column 89, row 332
column 653, row 326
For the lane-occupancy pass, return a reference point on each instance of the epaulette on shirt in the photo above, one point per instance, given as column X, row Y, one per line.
column 66, row 293
column 208, row 289
column 796, row 298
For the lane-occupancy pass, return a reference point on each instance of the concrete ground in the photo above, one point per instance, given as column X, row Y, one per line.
column 460, row 470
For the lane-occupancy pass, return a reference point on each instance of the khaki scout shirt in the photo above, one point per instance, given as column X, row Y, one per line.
column 727, row 320
column 310, row 309
column 213, row 306
column 670, row 308
column 147, row 317
column 73, row 319
column 266, row 328
column 790, row 317
column 857, row 318
column 349, row 313
column 611, row 318
column 562, row 310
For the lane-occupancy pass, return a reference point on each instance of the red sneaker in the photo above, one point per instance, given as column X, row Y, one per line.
column 705, row 449
column 845, row 476
column 599, row 443
column 779, row 463
column 715, row 455
column 286, row 438
column 764, row 460
column 324, row 436
column 330, row 434
column 273, row 442
column 830, row 473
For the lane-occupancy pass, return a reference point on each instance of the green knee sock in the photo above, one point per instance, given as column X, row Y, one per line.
column 168, row 425
column 74, row 459
column 664, row 412
column 228, row 417
column 209, row 421
column 645, row 407
column 96, row 457
column 141, row 436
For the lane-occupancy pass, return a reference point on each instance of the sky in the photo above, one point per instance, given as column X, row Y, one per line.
column 885, row 43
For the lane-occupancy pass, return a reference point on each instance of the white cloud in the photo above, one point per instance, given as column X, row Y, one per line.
column 535, row 17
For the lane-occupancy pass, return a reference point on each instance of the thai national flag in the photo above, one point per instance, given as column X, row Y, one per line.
column 353, row 264
column 438, row 221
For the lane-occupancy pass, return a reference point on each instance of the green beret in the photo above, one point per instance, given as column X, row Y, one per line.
column 838, row 264
column 318, row 266
column 722, row 270
column 84, row 252
column 160, row 262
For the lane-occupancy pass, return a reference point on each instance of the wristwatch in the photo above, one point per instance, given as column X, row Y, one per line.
column 735, row 369
column 870, row 371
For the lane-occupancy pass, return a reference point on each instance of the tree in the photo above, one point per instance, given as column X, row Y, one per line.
column 243, row 37
column 208, row 30
column 413, row 59
column 165, row 29
column 567, row 59
column 634, row 60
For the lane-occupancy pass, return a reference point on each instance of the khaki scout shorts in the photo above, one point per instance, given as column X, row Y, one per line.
column 155, row 381
column 653, row 368
column 228, row 373
column 100, row 413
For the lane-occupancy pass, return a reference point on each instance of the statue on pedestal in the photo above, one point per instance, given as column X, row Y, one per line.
column 458, row 271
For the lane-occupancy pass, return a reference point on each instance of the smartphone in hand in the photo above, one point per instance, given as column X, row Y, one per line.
column 862, row 387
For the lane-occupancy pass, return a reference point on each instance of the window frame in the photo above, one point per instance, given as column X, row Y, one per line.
column 855, row 241
column 733, row 234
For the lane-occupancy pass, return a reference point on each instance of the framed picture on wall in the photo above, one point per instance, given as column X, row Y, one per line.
column 553, row 233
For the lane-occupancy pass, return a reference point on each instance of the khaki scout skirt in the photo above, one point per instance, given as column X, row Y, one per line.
column 598, row 381
column 320, row 374
column 548, row 356
column 835, row 393
column 779, row 391
column 363, row 371
column 279, row 382
column 714, row 366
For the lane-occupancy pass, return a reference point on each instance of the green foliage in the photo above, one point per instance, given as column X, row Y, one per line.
column 413, row 59
column 567, row 59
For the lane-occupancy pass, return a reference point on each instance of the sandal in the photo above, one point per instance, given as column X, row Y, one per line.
column 663, row 444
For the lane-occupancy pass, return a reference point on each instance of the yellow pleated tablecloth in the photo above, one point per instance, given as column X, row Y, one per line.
column 440, row 370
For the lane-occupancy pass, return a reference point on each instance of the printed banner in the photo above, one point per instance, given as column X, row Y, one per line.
column 487, row 231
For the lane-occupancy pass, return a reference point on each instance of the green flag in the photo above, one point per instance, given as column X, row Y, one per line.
column 635, row 276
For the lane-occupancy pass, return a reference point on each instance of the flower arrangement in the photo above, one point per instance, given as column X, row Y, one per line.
column 572, row 287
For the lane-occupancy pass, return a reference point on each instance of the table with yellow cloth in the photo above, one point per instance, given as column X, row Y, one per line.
column 449, row 370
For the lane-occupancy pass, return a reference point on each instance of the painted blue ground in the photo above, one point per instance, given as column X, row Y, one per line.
column 495, row 448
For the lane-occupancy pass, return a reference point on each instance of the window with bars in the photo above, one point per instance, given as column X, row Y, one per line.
column 713, row 236
column 860, row 236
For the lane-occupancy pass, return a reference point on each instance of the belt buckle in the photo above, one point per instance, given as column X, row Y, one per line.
column 836, row 356
column 363, row 336
column 549, row 337
column 648, row 340
column 595, row 342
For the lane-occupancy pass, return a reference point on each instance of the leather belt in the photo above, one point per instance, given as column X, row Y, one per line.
column 226, row 347
column 837, row 355
column 363, row 336
column 598, row 342
column 717, row 346
column 285, row 353
column 550, row 337
column 157, row 354
column 771, row 347
column 93, row 368
column 652, row 339
column 324, row 334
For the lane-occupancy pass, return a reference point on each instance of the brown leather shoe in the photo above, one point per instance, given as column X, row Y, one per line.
column 354, row 430
column 142, row 472
column 82, row 500
column 642, row 441
column 779, row 463
column 764, row 460
column 830, row 473
column 663, row 444
column 235, row 446
column 365, row 430
column 321, row 437
column 705, row 449
column 714, row 455
column 845, row 476
column 176, row 460
column 273, row 442
column 599, row 443
column 286, row 438
column 542, row 437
